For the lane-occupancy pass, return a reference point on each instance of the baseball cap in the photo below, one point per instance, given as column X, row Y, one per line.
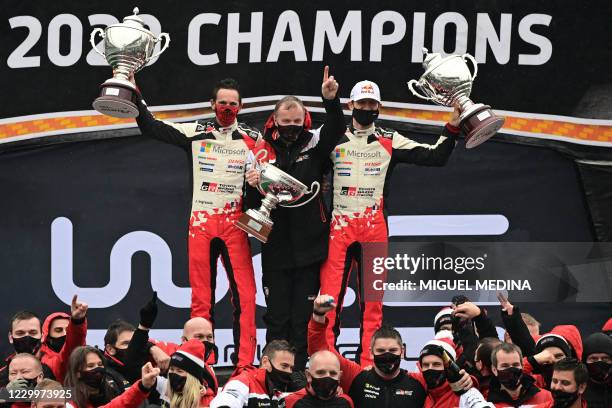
column 365, row 90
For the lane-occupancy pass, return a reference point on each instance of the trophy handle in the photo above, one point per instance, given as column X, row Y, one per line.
column 312, row 187
column 166, row 44
column 474, row 63
column 263, row 153
column 92, row 40
column 411, row 84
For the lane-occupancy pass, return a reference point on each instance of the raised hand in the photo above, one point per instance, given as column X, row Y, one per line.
column 148, row 313
column 323, row 304
column 329, row 87
column 78, row 310
column 505, row 303
column 149, row 375
column 467, row 310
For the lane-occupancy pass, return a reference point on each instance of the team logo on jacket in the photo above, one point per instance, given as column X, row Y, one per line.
column 217, row 187
column 403, row 392
column 214, row 148
column 340, row 153
column 357, row 191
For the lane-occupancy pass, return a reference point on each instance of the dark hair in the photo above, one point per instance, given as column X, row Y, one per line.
column 22, row 315
column 115, row 329
column 227, row 83
column 386, row 332
column 484, row 350
column 581, row 373
column 76, row 364
column 507, row 348
column 275, row 346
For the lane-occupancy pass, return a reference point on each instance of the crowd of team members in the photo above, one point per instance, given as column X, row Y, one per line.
column 464, row 365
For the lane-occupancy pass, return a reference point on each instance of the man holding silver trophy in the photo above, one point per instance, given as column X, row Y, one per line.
column 218, row 149
column 363, row 161
column 297, row 242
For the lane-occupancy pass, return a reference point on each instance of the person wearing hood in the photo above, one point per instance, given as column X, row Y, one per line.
column 561, row 342
column 297, row 244
column 265, row 386
column 510, row 386
column 323, row 385
column 26, row 336
column 385, row 384
column 434, row 361
column 597, row 355
column 54, row 330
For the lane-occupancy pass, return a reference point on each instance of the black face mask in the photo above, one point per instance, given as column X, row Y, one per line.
column 94, row 378
column 211, row 353
column 365, row 117
column 279, row 379
column 599, row 370
column 324, row 387
column 434, row 378
column 31, row 382
column 121, row 355
column 289, row 133
column 387, row 362
column 26, row 344
column 510, row 377
column 56, row 343
column 177, row 382
column 563, row 399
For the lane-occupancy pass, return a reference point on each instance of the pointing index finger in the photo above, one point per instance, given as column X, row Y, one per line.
column 326, row 73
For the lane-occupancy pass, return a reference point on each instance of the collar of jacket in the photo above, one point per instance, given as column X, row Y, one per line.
column 363, row 132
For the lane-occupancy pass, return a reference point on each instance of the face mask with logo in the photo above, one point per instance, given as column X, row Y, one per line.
column 510, row 377
column 563, row 399
column 56, row 343
column 365, row 117
column 279, row 379
column 599, row 371
column 211, row 352
column 26, row 344
column 434, row 378
column 177, row 382
column 387, row 362
column 324, row 387
column 94, row 378
column 226, row 114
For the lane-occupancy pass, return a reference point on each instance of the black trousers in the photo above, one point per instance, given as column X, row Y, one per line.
column 289, row 297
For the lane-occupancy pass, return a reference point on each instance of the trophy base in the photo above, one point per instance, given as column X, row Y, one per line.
column 117, row 99
column 480, row 126
column 252, row 222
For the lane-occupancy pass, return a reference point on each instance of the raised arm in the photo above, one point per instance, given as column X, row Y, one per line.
column 317, row 340
column 334, row 126
column 174, row 133
column 406, row 150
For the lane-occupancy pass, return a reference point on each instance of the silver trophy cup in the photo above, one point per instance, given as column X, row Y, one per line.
column 279, row 188
column 448, row 82
column 128, row 46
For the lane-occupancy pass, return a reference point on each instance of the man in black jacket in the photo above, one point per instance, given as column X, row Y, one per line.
column 297, row 245
column 597, row 355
